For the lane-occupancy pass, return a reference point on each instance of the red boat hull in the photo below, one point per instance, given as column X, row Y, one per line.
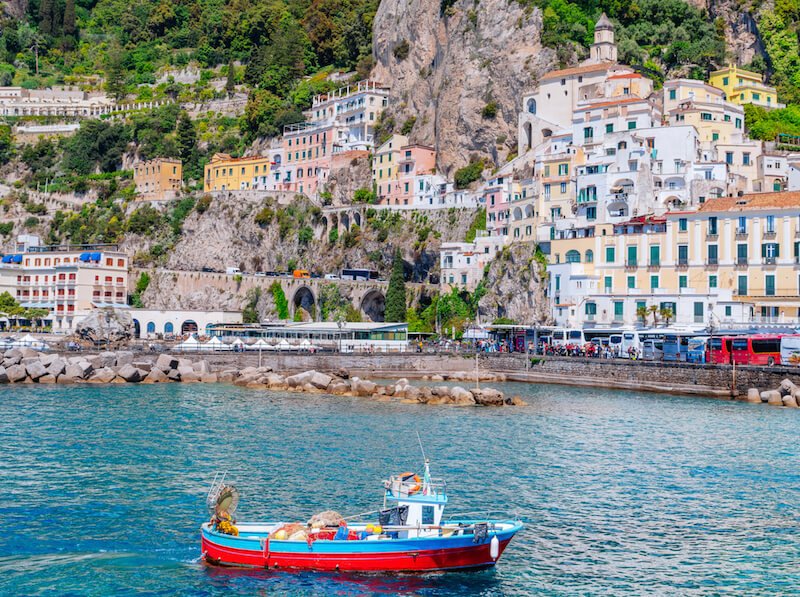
column 475, row 556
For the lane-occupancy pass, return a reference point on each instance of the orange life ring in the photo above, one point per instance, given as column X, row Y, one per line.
column 406, row 477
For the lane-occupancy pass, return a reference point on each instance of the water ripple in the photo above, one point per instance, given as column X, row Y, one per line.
column 103, row 488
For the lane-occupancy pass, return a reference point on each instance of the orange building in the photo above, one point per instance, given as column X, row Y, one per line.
column 159, row 179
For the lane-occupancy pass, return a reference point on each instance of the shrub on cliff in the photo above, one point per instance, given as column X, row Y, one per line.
column 279, row 298
column 396, row 293
column 468, row 174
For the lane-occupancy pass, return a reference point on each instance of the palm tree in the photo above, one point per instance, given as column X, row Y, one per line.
column 666, row 314
column 641, row 313
column 653, row 310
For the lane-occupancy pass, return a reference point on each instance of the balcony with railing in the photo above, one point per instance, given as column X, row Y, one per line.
column 770, row 261
column 741, row 233
column 712, row 262
column 682, row 264
column 769, row 233
column 631, row 264
column 741, row 263
column 654, row 264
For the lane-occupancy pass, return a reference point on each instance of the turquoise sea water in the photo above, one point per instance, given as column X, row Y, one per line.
column 103, row 488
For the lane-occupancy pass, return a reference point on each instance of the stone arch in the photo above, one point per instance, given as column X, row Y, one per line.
column 189, row 327
column 527, row 129
column 137, row 329
column 305, row 300
column 517, row 213
column 345, row 220
column 323, row 235
column 151, row 327
column 573, row 256
column 357, row 219
column 373, row 305
column 528, row 211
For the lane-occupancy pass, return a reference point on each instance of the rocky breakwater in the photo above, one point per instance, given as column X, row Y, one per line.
column 28, row 366
column 788, row 394
column 341, row 384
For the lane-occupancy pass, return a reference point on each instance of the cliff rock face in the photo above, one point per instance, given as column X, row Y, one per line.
column 515, row 287
column 15, row 9
column 445, row 68
column 742, row 39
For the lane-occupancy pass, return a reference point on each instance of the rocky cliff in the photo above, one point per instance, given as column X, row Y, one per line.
column 446, row 68
column 515, row 284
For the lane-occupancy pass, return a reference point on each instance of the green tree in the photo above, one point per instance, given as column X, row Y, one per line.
column 641, row 313
column 69, row 18
column 653, row 310
column 250, row 311
column 230, row 82
column 666, row 314
column 187, row 138
column 115, row 74
column 396, row 293
column 47, row 16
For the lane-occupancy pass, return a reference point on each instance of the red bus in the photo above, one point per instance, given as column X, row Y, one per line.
column 719, row 350
column 762, row 349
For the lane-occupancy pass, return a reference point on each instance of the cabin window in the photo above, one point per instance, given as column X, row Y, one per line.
column 427, row 514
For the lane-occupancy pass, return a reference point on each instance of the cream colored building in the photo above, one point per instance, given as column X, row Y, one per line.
column 733, row 261
column 69, row 281
column 462, row 264
column 158, row 179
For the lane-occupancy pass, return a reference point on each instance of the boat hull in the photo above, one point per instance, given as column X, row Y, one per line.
column 399, row 555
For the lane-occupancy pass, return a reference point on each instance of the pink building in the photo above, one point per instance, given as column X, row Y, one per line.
column 413, row 163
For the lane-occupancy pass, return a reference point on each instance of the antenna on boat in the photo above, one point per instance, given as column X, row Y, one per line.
column 419, row 439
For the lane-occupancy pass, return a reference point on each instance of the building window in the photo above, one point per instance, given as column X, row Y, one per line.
column 746, row 159
column 770, row 224
column 683, row 254
column 673, row 94
column 769, row 285
column 705, row 116
column 741, row 253
column 610, row 127
column 729, row 158
column 712, row 225
column 547, row 191
column 631, row 281
column 573, row 256
column 631, row 125
column 610, row 254
column 738, row 123
column 741, row 286
column 683, row 282
column 713, row 254
column 655, row 255
column 683, row 224
column 619, row 310
column 591, row 213
column 728, row 311
column 632, row 255
column 654, row 282
column 563, row 169
column 741, row 227
column 589, row 256
column 563, row 188
column 712, row 281
column 588, row 133
column 607, row 283
column 591, row 310
column 715, row 136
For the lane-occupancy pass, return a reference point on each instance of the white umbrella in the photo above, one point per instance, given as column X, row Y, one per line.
column 284, row 345
column 259, row 344
column 29, row 341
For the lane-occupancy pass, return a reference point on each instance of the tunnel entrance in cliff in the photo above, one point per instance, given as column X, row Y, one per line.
column 305, row 305
column 373, row 305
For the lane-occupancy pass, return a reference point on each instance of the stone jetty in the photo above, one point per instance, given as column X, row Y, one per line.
column 28, row 366
column 788, row 394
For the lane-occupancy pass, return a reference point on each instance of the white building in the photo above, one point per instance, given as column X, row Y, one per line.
column 462, row 264
column 156, row 323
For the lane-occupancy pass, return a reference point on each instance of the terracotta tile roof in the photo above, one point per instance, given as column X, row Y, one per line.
column 579, row 70
column 776, row 200
column 627, row 76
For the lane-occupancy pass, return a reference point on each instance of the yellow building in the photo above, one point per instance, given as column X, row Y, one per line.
column 734, row 261
column 692, row 102
column 385, row 165
column 744, row 87
column 159, row 179
column 224, row 173
column 554, row 174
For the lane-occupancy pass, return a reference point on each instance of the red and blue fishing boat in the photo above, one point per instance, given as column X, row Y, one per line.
column 406, row 535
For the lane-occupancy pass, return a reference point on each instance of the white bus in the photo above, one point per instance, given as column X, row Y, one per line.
column 565, row 336
column 790, row 350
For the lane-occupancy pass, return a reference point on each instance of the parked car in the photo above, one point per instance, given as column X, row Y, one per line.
column 232, row 270
column 331, row 277
column 260, row 274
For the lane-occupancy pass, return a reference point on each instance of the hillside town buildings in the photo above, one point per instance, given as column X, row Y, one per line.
column 224, row 173
column 159, row 179
column 744, row 87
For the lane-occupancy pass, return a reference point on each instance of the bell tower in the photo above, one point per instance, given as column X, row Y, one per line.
column 603, row 49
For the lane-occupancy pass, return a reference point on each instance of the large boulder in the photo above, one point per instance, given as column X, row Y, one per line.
column 209, row 378
column 29, row 353
column 754, row 396
column 103, row 375
column 3, row 375
column 47, row 378
column 56, row 367
column 105, row 359
column 772, row 397
column 461, row 396
column 124, row 357
column 156, row 375
column 297, row 380
column 363, row 387
column 276, row 382
column 228, row 375
column 165, row 362
column 47, row 359
column 36, row 370
column 12, row 354
column 16, row 373
column 789, row 400
column 174, row 375
column 145, row 366
column 106, row 326
column 189, row 376
column 185, row 371
column 488, row 397
column 201, row 367
column 72, row 373
column 130, row 373
column 320, row 380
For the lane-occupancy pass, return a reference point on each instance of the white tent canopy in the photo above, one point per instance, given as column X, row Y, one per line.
column 191, row 343
column 215, row 344
column 260, row 344
column 29, row 341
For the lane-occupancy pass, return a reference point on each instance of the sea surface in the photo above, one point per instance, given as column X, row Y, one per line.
column 102, row 489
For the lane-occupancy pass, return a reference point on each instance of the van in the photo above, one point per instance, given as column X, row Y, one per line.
column 232, row 270
column 301, row 273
